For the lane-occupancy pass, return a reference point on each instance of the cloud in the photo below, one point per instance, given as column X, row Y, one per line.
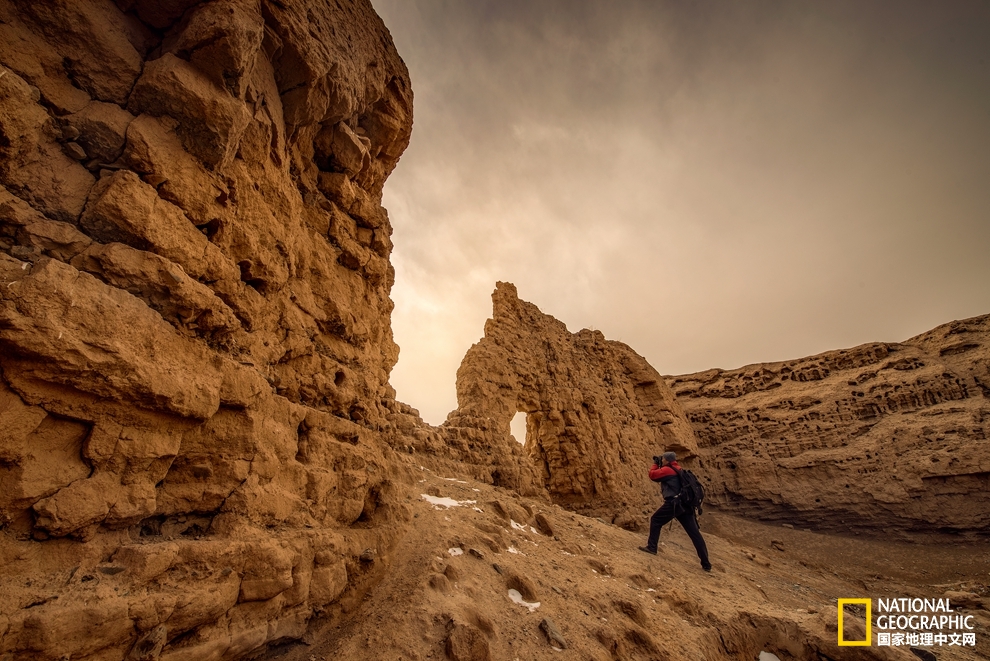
column 714, row 184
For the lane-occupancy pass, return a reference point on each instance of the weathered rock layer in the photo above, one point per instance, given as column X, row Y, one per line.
column 881, row 438
column 194, row 319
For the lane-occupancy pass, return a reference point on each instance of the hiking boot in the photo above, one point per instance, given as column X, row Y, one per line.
column 706, row 567
column 647, row 549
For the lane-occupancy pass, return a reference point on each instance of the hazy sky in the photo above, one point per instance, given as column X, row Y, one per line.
column 713, row 183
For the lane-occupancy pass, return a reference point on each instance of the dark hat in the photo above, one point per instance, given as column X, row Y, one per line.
column 669, row 456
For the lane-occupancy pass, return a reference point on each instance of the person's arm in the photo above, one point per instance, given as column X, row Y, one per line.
column 656, row 473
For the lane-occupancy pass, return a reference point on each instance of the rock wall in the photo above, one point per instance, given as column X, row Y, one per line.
column 596, row 412
column 194, row 320
column 882, row 438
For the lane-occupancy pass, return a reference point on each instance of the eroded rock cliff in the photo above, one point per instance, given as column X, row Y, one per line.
column 881, row 438
column 194, row 319
column 596, row 412
column 196, row 426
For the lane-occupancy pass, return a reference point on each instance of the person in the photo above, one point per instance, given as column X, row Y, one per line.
column 666, row 473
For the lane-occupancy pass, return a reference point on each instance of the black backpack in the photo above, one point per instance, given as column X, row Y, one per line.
column 692, row 494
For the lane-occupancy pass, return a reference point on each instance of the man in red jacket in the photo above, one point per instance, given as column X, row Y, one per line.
column 667, row 473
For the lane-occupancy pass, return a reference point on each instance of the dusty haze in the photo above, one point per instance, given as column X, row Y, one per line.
column 713, row 184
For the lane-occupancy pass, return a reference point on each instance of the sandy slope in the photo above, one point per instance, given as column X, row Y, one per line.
column 772, row 588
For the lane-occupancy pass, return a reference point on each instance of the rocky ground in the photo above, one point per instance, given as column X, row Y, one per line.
column 446, row 590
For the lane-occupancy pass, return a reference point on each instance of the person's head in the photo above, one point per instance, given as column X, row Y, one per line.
column 668, row 457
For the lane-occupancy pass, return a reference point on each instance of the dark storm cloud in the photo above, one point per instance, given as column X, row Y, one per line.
column 713, row 183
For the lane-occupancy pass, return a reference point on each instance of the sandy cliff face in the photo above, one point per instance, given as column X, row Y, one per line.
column 596, row 412
column 881, row 438
column 194, row 319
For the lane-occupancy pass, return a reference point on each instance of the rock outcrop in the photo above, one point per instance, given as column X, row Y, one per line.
column 885, row 438
column 194, row 320
column 596, row 412
column 881, row 438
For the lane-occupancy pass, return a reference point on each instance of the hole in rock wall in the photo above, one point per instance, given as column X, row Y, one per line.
column 518, row 427
column 258, row 284
column 372, row 501
column 210, row 229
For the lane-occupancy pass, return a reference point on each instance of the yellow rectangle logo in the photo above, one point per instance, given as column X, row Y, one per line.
column 869, row 623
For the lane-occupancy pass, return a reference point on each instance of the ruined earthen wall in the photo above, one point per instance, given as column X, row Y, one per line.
column 194, row 319
column 881, row 438
column 596, row 413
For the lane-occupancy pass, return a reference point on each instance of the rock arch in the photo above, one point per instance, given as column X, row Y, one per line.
column 596, row 413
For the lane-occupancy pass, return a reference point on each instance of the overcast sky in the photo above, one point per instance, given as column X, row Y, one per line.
column 713, row 183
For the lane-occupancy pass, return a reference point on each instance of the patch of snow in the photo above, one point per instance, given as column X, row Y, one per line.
column 455, row 551
column 534, row 530
column 566, row 553
column 513, row 549
column 446, row 502
column 478, row 509
column 767, row 656
column 517, row 598
column 478, row 490
column 650, row 590
column 454, row 479
column 556, row 649
column 517, row 526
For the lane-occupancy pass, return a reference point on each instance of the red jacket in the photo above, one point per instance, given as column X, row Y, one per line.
column 670, row 482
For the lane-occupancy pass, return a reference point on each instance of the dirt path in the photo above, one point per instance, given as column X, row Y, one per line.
column 445, row 593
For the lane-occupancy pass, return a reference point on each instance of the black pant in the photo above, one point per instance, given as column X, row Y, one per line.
column 664, row 515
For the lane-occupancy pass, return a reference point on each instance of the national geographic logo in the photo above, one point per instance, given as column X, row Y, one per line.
column 869, row 621
column 910, row 622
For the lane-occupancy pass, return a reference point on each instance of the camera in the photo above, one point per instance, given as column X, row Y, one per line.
column 656, row 460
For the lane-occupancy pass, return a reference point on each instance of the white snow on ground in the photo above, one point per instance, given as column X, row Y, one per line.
column 517, row 526
column 767, row 656
column 455, row 551
column 446, row 502
column 513, row 549
column 517, row 598
column 454, row 479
